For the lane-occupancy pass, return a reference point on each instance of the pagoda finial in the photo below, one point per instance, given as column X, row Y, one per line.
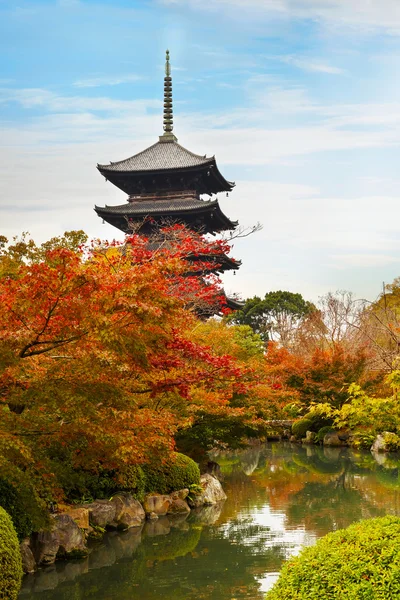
column 168, row 136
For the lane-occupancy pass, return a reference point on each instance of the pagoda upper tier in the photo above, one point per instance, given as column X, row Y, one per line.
column 165, row 182
column 166, row 166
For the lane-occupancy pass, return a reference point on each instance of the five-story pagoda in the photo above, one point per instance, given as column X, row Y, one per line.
column 165, row 183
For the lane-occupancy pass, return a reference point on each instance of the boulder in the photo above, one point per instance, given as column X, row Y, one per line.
column 70, row 537
column 45, row 545
column 80, row 516
column 332, row 439
column 101, row 513
column 28, row 560
column 386, row 442
column 181, row 494
column 178, row 506
column 128, row 511
column 310, row 438
column 211, row 494
column 157, row 503
column 63, row 540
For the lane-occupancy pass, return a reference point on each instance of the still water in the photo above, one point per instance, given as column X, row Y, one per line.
column 280, row 497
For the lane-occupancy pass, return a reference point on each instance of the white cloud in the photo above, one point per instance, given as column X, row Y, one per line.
column 366, row 15
column 106, row 80
column 37, row 97
column 309, row 64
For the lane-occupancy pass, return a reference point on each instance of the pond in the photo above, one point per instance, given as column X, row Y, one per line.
column 280, row 497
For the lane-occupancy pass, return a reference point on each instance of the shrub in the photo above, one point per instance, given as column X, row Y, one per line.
column 300, row 428
column 27, row 511
column 180, row 472
column 362, row 561
column 392, row 441
column 132, row 479
column 10, row 559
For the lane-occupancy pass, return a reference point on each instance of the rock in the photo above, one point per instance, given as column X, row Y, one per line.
column 178, row 506
column 70, row 537
column 80, row 516
column 101, row 513
column 63, row 540
column 211, row 494
column 128, row 511
column 332, row 439
column 310, row 438
column 157, row 503
column 152, row 516
column 28, row 560
column 293, row 439
column 386, row 442
column 45, row 545
column 181, row 494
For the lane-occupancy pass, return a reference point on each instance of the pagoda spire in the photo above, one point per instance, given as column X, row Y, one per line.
column 168, row 135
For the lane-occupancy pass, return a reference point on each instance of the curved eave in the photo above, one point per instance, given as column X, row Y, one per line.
column 214, row 219
column 212, row 179
column 210, row 221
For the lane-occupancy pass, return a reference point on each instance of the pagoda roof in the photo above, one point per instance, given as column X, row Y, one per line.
column 206, row 216
column 164, row 160
column 160, row 156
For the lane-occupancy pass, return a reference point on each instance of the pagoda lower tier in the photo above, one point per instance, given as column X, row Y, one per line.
column 147, row 213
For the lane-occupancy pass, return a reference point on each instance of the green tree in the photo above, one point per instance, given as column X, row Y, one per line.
column 276, row 317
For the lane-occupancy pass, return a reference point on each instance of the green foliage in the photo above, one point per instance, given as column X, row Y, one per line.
column 362, row 561
column 10, row 559
column 392, row 441
column 366, row 416
column 180, row 472
column 322, row 433
column 11, row 502
column 274, row 316
column 299, row 428
column 132, row 479
column 27, row 511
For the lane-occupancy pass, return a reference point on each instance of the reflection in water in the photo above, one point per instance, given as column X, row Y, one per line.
column 280, row 497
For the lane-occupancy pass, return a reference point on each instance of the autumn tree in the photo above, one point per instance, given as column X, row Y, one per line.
column 98, row 362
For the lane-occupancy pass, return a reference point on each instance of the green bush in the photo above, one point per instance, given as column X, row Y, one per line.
column 300, row 428
column 10, row 501
column 180, row 472
column 132, row 479
column 10, row 559
column 360, row 562
column 27, row 511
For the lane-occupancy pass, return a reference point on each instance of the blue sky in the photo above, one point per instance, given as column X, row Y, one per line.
column 298, row 99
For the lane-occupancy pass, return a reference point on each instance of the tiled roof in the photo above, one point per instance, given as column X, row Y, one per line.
column 159, row 156
column 171, row 205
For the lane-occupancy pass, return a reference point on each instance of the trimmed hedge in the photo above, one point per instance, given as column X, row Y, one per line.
column 10, row 559
column 180, row 472
column 362, row 561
